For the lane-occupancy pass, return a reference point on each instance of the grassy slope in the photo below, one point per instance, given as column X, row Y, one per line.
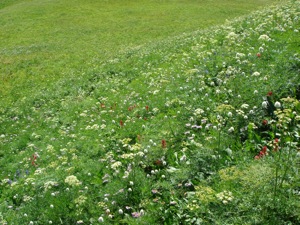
column 182, row 70
column 42, row 41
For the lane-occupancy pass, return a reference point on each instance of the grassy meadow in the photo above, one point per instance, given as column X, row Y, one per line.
column 150, row 112
column 43, row 41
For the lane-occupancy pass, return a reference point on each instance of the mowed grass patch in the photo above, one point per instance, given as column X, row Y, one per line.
column 43, row 41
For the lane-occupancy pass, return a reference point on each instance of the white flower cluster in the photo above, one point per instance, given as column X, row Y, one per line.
column 72, row 180
column 264, row 37
column 27, row 198
column 232, row 36
column 80, row 200
column 4, row 181
column 225, row 197
column 29, row 181
column 116, row 165
column 93, row 127
column 49, row 184
column 255, row 74
column 39, row 171
column 198, row 112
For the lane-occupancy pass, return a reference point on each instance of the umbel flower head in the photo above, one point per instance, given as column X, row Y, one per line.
column 72, row 180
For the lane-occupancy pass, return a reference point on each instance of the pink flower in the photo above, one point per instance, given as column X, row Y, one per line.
column 136, row 214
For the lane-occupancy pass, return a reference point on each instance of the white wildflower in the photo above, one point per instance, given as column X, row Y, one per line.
column 116, row 165
column 245, row 106
column 72, row 180
column 264, row 104
column 231, row 130
column 277, row 104
column 264, row 37
column 255, row 74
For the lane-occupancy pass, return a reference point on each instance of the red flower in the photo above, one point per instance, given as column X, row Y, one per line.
column 121, row 123
column 264, row 150
column 265, row 122
column 34, row 157
column 262, row 153
column 258, row 55
column 270, row 93
column 147, row 108
column 163, row 143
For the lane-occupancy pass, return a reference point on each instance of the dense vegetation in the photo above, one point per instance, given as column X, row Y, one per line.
column 201, row 128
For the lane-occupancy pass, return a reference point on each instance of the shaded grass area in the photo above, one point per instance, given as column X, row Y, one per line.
column 43, row 41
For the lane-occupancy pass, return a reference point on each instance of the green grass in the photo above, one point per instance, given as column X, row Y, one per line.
column 196, row 128
column 43, row 41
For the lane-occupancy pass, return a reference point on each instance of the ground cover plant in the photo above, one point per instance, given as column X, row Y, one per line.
column 202, row 128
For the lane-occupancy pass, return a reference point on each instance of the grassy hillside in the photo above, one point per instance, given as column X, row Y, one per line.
column 200, row 128
column 42, row 41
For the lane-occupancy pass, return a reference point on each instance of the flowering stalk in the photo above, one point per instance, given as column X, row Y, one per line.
column 276, row 180
column 286, row 165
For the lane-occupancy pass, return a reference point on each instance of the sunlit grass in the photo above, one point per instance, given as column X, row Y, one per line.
column 42, row 41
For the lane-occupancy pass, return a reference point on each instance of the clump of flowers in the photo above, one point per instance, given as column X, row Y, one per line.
column 72, row 180
column 262, row 153
column 225, row 197
column 80, row 200
column 264, row 37
column 205, row 194
column 49, row 184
